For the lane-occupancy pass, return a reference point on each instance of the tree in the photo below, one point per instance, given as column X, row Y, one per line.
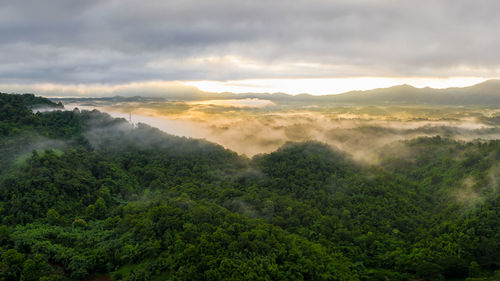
column 53, row 217
column 79, row 223
column 474, row 270
column 5, row 238
column 35, row 268
column 11, row 265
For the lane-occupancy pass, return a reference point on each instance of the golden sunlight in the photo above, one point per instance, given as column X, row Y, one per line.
column 321, row 86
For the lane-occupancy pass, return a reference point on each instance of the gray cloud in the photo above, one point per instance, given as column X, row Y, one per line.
column 107, row 41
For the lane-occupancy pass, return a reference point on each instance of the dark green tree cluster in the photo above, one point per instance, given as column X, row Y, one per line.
column 84, row 195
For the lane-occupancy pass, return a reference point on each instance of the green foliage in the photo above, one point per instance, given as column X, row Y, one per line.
column 53, row 217
column 5, row 235
column 134, row 203
column 474, row 270
column 35, row 268
column 11, row 265
column 79, row 223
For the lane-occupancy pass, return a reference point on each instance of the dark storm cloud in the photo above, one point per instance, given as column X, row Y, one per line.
column 105, row 41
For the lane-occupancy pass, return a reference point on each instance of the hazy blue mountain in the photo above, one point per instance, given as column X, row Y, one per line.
column 483, row 94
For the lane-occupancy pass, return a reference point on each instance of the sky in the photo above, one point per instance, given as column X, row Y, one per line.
column 98, row 47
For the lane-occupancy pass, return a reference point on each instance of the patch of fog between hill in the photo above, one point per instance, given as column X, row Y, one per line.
column 44, row 108
column 171, row 126
column 264, row 133
column 18, row 149
column 472, row 191
column 361, row 139
column 237, row 103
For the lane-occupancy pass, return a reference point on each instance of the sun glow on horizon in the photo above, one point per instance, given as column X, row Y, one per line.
column 322, row 86
column 165, row 88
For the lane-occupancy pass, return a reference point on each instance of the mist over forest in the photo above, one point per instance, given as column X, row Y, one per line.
column 359, row 123
column 222, row 140
column 247, row 189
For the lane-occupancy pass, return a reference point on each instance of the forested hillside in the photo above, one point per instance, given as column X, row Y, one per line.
column 85, row 196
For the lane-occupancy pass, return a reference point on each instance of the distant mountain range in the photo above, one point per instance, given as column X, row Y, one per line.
column 483, row 94
column 486, row 93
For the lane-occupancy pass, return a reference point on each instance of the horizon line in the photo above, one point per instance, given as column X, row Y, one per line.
column 165, row 88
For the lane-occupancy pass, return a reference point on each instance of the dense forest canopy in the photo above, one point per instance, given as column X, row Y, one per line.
column 84, row 195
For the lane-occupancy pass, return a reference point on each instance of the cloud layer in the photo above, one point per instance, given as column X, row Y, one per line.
column 116, row 42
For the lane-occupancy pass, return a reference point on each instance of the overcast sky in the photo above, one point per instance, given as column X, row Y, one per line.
column 106, row 42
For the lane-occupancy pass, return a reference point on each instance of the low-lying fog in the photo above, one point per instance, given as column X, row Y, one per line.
column 255, row 126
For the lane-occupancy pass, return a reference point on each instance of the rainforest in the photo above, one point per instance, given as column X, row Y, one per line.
column 249, row 140
column 85, row 196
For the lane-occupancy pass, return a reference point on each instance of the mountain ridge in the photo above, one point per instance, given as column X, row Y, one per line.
column 486, row 93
